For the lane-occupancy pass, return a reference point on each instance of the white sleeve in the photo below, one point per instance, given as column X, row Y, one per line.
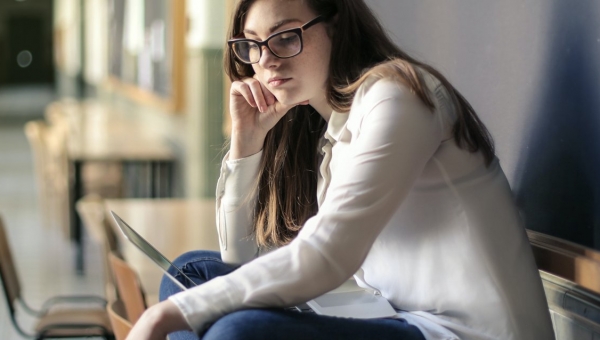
column 398, row 135
column 235, row 205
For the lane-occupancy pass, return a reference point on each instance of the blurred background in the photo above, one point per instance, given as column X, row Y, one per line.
column 101, row 98
column 126, row 99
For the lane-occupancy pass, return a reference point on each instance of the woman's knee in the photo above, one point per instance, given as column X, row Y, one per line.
column 245, row 324
column 194, row 268
column 188, row 263
column 195, row 255
column 185, row 263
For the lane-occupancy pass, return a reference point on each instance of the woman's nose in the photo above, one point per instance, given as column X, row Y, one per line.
column 268, row 59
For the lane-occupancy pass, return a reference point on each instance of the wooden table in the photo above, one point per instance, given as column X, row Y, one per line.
column 101, row 134
column 172, row 226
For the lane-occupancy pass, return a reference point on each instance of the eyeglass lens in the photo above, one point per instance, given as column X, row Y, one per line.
column 284, row 45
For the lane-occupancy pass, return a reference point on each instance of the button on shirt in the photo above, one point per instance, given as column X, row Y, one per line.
column 425, row 223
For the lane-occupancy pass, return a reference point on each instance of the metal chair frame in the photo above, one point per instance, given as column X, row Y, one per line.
column 12, row 292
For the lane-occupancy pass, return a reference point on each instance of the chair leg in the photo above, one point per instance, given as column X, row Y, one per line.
column 19, row 329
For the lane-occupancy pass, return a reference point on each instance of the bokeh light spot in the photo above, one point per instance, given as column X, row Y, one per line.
column 24, row 58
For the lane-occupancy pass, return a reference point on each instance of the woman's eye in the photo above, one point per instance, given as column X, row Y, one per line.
column 287, row 38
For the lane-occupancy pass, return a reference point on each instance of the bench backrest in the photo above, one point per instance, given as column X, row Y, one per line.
column 571, row 277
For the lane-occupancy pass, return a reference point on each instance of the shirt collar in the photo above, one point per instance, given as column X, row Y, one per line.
column 335, row 126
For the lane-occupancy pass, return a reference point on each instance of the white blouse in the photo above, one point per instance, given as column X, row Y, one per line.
column 422, row 221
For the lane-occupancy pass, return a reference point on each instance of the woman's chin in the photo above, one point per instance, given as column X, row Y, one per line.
column 285, row 99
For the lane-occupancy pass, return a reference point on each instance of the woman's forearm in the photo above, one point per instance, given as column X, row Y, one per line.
column 236, row 196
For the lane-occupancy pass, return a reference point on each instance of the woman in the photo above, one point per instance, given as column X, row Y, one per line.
column 348, row 157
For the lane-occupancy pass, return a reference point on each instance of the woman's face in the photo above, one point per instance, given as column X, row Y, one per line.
column 300, row 78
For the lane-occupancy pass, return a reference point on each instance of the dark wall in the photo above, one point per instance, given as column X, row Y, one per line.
column 26, row 37
column 531, row 69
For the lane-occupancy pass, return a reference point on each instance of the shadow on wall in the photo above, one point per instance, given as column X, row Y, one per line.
column 558, row 186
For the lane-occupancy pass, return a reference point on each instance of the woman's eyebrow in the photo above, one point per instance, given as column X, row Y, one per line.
column 274, row 27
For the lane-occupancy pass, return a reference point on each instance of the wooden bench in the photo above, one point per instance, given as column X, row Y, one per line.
column 571, row 277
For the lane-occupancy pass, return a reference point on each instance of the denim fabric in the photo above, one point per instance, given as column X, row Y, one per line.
column 276, row 323
column 200, row 266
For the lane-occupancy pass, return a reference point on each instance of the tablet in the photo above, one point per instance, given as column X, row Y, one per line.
column 150, row 251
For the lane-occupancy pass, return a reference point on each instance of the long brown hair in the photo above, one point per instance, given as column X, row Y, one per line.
column 287, row 181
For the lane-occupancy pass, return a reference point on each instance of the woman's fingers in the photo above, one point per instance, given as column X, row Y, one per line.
column 258, row 94
column 269, row 97
column 255, row 93
column 243, row 89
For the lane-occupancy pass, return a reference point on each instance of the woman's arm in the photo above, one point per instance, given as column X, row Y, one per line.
column 254, row 111
column 236, row 197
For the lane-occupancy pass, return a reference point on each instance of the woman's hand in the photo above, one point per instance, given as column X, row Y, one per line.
column 158, row 321
column 254, row 111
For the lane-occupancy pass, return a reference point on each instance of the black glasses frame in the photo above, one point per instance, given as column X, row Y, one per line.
column 298, row 31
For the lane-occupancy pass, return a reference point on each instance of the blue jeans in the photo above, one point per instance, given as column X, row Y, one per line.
column 276, row 323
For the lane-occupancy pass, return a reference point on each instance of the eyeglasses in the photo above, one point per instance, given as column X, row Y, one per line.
column 284, row 44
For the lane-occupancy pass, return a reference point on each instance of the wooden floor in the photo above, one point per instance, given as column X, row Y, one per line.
column 44, row 258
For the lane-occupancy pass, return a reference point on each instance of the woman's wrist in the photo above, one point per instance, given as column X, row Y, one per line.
column 164, row 318
column 242, row 147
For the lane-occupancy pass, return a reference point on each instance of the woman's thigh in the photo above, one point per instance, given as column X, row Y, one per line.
column 282, row 324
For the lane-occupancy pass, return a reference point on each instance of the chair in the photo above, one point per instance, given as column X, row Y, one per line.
column 36, row 135
column 91, row 210
column 65, row 118
column 575, row 310
column 568, row 260
column 571, row 277
column 48, row 144
column 118, row 319
column 58, row 317
column 128, row 287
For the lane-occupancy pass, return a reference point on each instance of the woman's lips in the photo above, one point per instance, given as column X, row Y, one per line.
column 278, row 81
